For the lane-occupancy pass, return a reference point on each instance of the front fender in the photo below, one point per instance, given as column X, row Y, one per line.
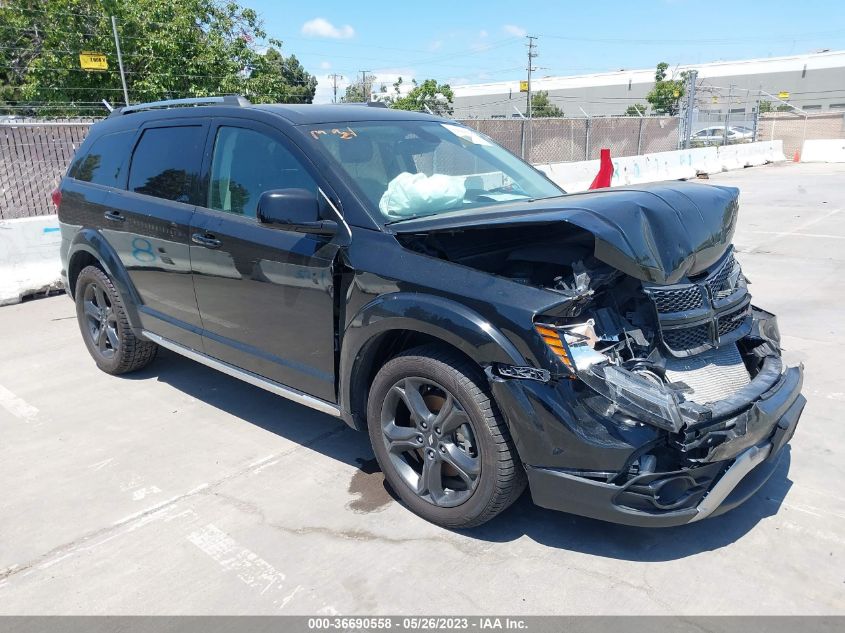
column 93, row 243
column 443, row 319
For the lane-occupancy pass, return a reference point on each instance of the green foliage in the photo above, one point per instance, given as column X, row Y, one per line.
column 424, row 97
column 637, row 109
column 359, row 91
column 171, row 49
column 768, row 106
column 665, row 97
column 541, row 106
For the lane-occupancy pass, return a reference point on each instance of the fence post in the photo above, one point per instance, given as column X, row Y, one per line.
column 522, row 138
column 640, row 138
column 587, row 141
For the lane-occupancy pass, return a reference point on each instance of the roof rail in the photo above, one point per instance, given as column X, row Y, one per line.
column 369, row 104
column 231, row 100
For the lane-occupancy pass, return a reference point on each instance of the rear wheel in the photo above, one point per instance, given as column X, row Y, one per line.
column 440, row 440
column 105, row 327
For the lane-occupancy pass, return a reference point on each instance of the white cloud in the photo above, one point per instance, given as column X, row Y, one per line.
column 320, row 27
column 436, row 45
column 513, row 29
column 482, row 33
column 325, row 65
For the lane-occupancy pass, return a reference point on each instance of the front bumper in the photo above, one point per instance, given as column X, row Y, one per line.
column 709, row 488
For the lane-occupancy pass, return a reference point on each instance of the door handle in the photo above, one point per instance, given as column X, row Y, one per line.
column 207, row 240
column 114, row 216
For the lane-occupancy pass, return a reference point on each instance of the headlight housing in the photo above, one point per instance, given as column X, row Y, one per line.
column 573, row 345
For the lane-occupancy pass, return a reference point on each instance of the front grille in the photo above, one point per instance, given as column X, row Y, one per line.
column 728, row 323
column 686, row 339
column 677, row 300
column 722, row 283
column 703, row 312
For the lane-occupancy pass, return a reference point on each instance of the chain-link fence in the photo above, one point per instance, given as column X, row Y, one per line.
column 33, row 157
column 562, row 140
column 794, row 128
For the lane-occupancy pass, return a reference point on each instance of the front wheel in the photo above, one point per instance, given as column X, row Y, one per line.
column 440, row 440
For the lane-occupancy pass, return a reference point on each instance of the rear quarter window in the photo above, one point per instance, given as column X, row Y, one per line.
column 103, row 162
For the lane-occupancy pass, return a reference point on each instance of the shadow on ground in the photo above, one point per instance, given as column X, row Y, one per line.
column 371, row 493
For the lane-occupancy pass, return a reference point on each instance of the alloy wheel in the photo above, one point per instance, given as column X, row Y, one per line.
column 100, row 320
column 430, row 441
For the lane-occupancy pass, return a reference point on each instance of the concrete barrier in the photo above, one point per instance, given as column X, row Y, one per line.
column 675, row 165
column 29, row 257
column 823, row 151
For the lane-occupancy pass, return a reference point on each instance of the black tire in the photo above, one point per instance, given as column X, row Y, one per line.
column 105, row 329
column 475, row 484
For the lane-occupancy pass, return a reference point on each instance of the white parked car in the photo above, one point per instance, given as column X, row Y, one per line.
column 714, row 135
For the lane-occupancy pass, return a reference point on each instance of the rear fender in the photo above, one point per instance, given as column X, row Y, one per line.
column 93, row 243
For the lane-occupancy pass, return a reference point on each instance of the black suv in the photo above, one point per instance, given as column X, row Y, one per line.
column 408, row 275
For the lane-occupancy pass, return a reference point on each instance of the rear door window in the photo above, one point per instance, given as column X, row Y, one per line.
column 103, row 162
column 166, row 162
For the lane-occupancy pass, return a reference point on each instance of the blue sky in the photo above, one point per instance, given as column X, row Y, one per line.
column 472, row 42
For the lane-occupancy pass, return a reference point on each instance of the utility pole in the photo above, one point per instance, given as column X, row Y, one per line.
column 531, row 55
column 119, row 59
column 334, row 77
column 365, row 86
column 690, row 109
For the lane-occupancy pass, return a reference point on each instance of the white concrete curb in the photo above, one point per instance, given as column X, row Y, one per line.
column 631, row 170
column 29, row 257
column 823, row 151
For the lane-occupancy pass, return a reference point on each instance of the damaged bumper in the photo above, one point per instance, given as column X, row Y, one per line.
column 728, row 458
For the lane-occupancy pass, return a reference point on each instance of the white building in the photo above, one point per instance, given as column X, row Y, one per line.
column 814, row 82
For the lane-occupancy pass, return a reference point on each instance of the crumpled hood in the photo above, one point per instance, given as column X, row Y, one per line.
column 657, row 233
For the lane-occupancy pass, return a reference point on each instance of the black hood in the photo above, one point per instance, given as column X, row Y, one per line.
column 657, row 233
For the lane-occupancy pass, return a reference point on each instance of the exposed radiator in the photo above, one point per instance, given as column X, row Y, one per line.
column 713, row 375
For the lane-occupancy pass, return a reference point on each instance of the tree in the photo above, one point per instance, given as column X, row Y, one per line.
column 665, row 97
column 429, row 96
column 637, row 109
column 359, row 91
column 301, row 85
column 768, row 106
column 541, row 106
column 171, row 48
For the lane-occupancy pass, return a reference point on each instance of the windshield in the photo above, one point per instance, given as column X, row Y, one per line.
column 407, row 169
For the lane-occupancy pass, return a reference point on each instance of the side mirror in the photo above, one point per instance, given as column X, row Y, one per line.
column 294, row 210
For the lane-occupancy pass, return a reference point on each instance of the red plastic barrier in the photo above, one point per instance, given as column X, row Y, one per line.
column 602, row 179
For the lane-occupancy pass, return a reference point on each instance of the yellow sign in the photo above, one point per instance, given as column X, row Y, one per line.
column 676, row 93
column 783, row 95
column 93, row 61
column 523, row 86
column 715, row 99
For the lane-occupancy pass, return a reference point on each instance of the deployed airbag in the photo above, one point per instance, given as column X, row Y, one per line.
column 414, row 194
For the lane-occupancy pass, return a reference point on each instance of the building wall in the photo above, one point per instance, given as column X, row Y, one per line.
column 815, row 82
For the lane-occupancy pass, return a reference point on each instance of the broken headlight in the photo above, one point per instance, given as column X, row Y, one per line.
column 574, row 345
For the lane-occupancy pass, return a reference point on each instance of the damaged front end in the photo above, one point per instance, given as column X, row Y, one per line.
column 699, row 362
column 660, row 396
